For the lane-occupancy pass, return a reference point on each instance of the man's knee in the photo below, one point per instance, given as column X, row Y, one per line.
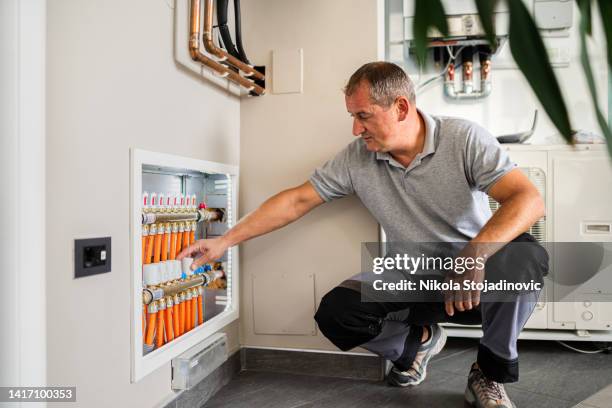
column 345, row 320
column 334, row 308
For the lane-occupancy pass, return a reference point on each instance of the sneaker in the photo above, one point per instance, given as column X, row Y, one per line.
column 484, row 393
column 418, row 370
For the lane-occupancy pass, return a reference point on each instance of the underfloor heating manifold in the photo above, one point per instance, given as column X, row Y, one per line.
column 173, row 294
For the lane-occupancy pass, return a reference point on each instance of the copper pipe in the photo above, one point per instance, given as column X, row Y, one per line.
column 218, row 52
column 196, row 55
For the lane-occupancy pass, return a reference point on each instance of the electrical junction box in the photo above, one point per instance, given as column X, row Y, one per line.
column 553, row 14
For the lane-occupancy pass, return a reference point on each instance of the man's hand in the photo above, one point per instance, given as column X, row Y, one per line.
column 207, row 249
column 463, row 300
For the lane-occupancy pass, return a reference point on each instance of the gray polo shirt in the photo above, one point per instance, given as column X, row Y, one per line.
column 440, row 197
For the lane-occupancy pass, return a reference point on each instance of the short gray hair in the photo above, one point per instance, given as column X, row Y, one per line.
column 387, row 82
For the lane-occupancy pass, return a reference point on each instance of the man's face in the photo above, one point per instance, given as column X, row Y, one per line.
column 375, row 124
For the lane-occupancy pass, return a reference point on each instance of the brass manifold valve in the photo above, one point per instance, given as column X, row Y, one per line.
column 199, row 278
column 176, row 209
column 201, row 215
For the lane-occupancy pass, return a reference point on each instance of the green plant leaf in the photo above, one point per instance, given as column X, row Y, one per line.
column 427, row 13
column 585, row 17
column 531, row 57
column 485, row 11
column 585, row 14
column 605, row 9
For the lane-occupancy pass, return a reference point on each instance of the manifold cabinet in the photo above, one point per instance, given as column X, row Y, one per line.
column 176, row 201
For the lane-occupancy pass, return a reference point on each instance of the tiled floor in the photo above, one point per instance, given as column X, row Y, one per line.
column 551, row 376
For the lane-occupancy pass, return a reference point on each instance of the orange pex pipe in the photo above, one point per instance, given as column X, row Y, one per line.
column 192, row 240
column 173, row 245
column 194, row 310
column 151, row 328
column 176, row 315
column 182, row 318
column 179, row 240
column 185, row 239
column 149, row 252
column 187, row 315
column 164, row 246
column 159, row 338
column 144, row 319
column 200, row 310
column 144, row 248
column 169, row 329
column 157, row 245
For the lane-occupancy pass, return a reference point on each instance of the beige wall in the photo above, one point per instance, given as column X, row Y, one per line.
column 112, row 85
column 283, row 138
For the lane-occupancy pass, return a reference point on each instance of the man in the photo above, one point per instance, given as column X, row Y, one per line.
column 424, row 179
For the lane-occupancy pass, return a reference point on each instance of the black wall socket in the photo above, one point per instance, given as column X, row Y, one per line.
column 92, row 256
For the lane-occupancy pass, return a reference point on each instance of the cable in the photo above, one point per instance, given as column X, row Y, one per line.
column 450, row 52
column 441, row 74
column 226, row 37
column 607, row 349
column 437, row 77
column 238, row 32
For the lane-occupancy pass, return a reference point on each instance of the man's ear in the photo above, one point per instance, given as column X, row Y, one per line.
column 403, row 107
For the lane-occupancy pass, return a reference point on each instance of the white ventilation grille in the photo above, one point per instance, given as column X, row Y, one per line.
column 538, row 177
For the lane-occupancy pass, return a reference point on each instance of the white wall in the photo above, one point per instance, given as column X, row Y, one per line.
column 112, row 85
column 284, row 137
column 22, row 162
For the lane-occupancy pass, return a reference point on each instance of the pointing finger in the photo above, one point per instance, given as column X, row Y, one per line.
column 200, row 260
column 190, row 250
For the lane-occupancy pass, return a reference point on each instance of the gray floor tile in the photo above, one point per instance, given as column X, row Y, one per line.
column 264, row 389
column 550, row 377
column 457, row 346
column 547, row 368
column 441, row 389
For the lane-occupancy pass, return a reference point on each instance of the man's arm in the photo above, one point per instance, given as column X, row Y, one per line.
column 276, row 212
column 521, row 206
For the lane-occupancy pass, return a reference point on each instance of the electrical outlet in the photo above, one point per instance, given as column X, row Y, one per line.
column 92, row 256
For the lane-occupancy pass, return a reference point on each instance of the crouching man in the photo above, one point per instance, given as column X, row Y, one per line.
column 424, row 179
